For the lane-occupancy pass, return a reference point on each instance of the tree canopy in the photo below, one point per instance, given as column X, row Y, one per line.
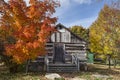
column 80, row 31
column 25, row 28
column 105, row 32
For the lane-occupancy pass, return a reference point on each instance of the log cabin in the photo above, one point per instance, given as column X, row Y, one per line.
column 66, row 52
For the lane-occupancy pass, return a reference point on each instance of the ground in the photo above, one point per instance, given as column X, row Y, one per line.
column 95, row 72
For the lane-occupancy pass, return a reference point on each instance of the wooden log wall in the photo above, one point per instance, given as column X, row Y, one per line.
column 78, row 49
column 50, row 51
column 75, row 48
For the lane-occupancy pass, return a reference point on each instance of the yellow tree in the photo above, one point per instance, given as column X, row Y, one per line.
column 104, row 33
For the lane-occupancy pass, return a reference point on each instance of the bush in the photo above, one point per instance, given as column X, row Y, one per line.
column 13, row 67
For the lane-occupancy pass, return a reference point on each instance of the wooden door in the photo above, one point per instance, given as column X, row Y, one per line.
column 59, row 53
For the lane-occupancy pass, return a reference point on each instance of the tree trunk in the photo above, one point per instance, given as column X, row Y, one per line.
column 114, row 63
column 27, row 66
column 109, row 61
column 13, row 68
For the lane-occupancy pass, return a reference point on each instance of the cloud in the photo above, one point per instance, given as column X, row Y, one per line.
column 67, row 5
column 83, row 1
column 86, row 22
column 64, row 3
column 27, row 1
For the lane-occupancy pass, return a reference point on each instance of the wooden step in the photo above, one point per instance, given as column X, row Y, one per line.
column 60, row 67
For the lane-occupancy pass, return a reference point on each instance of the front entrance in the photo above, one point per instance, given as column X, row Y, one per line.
column 59, row 53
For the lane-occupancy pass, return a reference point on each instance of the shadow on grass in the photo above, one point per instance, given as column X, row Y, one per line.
column 21, row 76
column 5, row 75
column 103, row 70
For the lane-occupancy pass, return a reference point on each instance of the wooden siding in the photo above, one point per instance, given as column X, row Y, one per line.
column 78, row 49
column 50, row 51
column 65, row 35
column 75, row 39
column 61, row 35
column 53, row 37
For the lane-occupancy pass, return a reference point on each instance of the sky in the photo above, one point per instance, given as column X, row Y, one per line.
column 78, row 12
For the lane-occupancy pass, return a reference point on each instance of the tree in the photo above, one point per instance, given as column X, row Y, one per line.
column 25, row 28
column 113, row 29
column 80, row 31
column 104, row 33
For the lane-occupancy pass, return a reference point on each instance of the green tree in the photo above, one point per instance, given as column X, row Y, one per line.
column 80, row 31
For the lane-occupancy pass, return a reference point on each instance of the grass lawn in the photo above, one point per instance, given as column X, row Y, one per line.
column 95, row 69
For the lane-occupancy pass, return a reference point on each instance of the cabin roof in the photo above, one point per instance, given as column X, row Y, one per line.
column 61, row 25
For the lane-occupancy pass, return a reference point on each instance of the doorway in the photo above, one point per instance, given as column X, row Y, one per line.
column 59, row 53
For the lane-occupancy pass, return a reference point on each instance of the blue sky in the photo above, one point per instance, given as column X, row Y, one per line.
column 79, row 12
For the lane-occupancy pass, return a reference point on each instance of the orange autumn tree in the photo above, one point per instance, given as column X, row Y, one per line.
column 29, row 25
